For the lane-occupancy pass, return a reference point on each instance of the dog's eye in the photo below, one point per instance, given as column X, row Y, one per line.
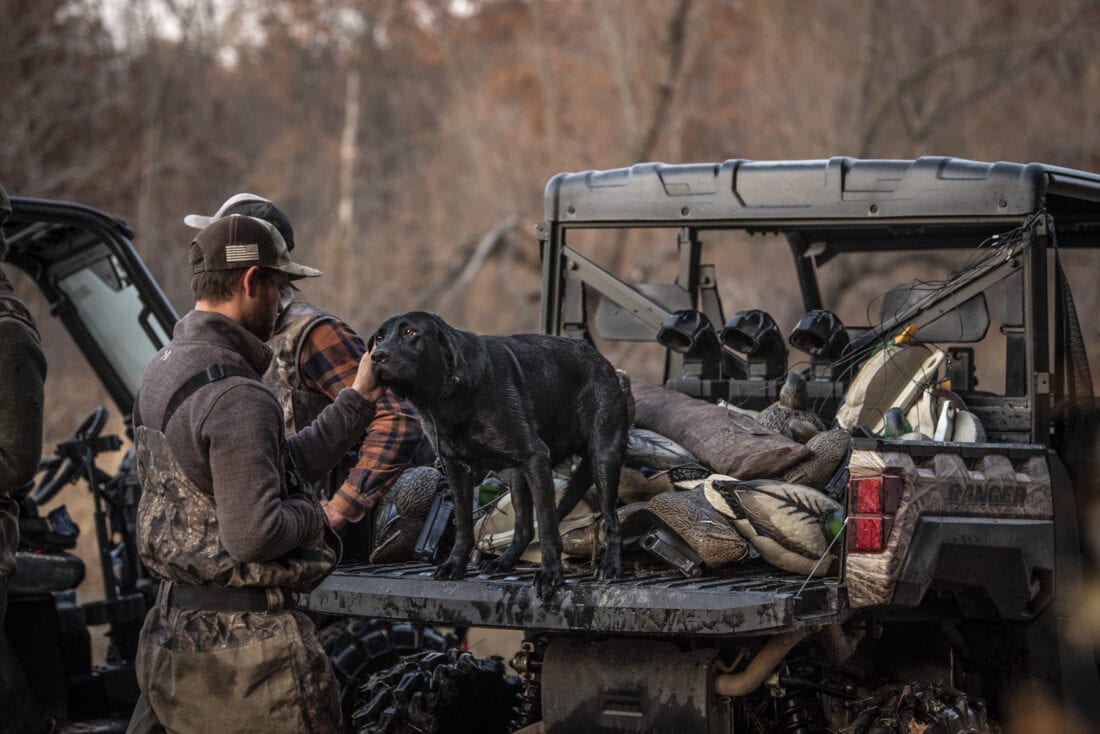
column 409, row 331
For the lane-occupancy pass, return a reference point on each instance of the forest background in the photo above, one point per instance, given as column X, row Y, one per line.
column 410, row 140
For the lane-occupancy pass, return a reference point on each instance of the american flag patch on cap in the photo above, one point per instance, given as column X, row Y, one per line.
column 241, row 253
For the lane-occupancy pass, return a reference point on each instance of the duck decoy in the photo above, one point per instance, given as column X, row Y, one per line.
column 402, row 513
column 493, row 530
column 802, row 431
column 829, row 449
column 694, row 520
column 896, row 424
column 790, row 525
column 792, row 405
column 581, row 542
column 639, row 485
column 651, row 449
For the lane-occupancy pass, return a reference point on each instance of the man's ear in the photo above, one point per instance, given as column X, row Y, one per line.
column 249, row 282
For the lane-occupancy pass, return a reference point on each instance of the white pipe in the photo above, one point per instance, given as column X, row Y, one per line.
column 761, row 666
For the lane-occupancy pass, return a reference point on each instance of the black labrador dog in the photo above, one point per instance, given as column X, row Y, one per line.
column 526, row 402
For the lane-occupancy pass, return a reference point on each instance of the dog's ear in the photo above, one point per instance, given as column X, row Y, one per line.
column 452, row 354
column 451, row 343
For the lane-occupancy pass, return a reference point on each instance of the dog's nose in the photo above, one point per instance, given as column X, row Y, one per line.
column 378, row 356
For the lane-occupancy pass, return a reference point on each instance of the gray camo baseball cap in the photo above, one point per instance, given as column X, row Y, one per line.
column 237, row 242
column 250, row 205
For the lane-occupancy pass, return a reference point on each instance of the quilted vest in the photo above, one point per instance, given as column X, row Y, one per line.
column 301, row 406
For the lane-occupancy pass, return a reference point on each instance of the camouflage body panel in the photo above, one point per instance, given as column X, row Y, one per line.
column 943, row 485
column 177, row 531
column 300, row 406
column 236, row 671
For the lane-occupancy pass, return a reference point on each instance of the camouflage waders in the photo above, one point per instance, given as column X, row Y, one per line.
column 203, row 670
column 14, row 421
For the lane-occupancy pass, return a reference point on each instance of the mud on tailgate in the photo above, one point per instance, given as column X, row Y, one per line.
column 750, row 598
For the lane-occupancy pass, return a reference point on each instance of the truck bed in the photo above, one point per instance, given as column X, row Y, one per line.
column 750, row 598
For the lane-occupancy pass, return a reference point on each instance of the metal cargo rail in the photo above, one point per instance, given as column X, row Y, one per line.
column 751, row 598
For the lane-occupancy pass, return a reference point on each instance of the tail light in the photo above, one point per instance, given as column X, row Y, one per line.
column 872, row 504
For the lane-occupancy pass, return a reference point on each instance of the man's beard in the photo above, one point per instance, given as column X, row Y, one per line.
column 260, row 320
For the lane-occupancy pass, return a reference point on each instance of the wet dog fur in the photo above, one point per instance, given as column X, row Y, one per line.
column 520, row 402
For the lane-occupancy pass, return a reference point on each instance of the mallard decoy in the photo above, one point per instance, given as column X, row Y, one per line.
column 581, row 541
column 493, row 531
column 639, row 485
column 802, row 431
column 829, row 449
column 402, row 513
column 790, row 525
column 651, row 449
column 793, row 399
column 896, row 426
column 691, row 517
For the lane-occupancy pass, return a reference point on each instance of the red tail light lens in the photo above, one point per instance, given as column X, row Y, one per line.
column 865, row 495
column 866, row 535
column 872, row 503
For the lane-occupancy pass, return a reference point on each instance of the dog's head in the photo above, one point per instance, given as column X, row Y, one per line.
column 418, row 354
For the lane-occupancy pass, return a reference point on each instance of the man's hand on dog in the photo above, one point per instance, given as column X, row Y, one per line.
column 365, row 382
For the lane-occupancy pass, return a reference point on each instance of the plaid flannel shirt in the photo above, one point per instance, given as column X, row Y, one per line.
column 328, row 363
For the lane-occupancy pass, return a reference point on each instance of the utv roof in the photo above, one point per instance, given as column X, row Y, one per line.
column 837, row 188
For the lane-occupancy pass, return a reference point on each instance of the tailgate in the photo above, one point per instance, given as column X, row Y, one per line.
column 750, row 598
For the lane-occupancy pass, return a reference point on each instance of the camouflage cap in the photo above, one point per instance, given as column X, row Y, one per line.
column 236, row 242
column 250, row 205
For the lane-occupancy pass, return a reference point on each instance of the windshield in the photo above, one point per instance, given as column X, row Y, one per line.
column 109, row 306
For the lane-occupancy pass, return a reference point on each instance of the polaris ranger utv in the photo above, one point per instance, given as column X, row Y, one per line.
column 961, row 562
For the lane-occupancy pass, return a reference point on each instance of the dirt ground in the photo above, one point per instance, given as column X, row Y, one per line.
column 484, row 641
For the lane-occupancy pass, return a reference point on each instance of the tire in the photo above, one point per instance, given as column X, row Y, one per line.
column 924, row 708
column 440, row 693
column 360, row 647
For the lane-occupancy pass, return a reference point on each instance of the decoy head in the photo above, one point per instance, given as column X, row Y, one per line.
column 719, row 490
column 794, row 394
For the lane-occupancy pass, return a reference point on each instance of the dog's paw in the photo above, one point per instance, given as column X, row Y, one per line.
column 452, row 568
column 548, row 581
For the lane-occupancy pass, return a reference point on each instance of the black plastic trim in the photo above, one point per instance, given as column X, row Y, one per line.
column 998, row 568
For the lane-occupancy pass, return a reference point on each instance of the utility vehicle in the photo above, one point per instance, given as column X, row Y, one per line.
column 960, row 572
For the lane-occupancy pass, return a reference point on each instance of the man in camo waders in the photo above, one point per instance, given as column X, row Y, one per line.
column 316, row 355
column 228, row 519
column 22, row 378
